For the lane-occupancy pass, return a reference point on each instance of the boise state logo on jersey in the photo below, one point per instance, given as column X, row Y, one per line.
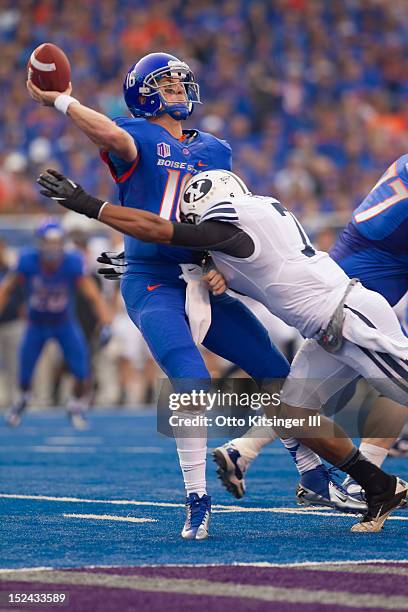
column 163, row 149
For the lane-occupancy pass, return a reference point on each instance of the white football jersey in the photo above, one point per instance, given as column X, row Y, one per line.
column 300, row 285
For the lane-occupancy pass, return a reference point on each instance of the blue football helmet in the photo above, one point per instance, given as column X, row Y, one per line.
column 50, row 229
column 142, row 87
column 50, row 237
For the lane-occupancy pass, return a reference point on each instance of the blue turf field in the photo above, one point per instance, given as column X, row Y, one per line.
column 133, row 472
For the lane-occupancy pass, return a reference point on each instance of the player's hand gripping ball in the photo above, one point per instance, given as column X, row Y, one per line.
column 49, row 68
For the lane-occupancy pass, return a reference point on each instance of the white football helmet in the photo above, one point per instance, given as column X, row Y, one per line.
column 207, row 188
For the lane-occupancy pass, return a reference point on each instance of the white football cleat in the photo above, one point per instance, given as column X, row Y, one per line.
column 380, row 507
column 78, row 421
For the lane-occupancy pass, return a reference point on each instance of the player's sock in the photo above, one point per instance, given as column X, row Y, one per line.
column 373, row 480
column 22, row 403
column 375, row 454
column 251, row 444
column 77, row 408
column 77, row 405
column 192, row 454
column 304, row 458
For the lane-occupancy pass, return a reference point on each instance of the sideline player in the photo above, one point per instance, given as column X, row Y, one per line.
column 151, row 158
column 262, row 251
column 50, row 274
column 373, row 248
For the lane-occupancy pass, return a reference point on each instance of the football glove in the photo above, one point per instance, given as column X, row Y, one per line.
column 117, row 263
column 69, row 194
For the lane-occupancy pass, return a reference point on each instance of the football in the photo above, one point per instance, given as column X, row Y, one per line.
column 49, row 68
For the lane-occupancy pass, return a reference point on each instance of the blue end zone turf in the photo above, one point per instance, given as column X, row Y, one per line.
column 124, row 499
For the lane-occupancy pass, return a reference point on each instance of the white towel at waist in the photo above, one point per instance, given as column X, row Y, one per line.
column 198, row 307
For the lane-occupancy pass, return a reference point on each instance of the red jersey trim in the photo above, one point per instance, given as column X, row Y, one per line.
column 119, row 179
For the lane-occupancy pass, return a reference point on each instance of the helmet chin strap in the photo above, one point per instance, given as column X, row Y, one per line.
column 179, row 111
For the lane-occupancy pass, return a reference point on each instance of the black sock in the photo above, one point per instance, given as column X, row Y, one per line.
column 373, row 480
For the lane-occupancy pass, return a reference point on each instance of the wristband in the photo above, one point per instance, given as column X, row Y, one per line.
column 101, row 209
column 83, row 203
column 62, row 103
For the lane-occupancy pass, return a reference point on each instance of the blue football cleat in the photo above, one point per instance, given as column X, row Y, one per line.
column 197, row 523
column 317, row 488
column 231, row 468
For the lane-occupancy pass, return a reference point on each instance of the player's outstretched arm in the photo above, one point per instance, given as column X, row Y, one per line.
column 210, row 235
column 136, row 223
column 98, row 127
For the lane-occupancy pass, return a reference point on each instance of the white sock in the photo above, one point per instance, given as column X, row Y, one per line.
column 375, row 454
column 192, row 454
column 304, row 458
column 23, row 401
column 77, row 405
column 251, row 444
column 25, row 397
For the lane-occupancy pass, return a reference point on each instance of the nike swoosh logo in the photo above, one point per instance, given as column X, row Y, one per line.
column 152, row 287
column 201, row 165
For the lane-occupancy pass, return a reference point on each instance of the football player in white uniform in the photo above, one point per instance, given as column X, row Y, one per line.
column 262, row 251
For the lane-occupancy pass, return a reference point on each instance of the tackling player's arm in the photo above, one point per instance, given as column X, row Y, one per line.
column 7, row 286
column 99, row 128
column 209, row 235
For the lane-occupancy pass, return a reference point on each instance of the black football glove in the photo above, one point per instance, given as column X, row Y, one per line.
column 117, row 260
column 69, row 194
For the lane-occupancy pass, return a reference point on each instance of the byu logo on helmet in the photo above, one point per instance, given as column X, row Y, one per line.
column 142, row 87
column 197, row 190
column 208, row 188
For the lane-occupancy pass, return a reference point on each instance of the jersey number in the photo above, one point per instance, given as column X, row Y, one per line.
column 172, row 191
column 308, row 251
column 400, row 193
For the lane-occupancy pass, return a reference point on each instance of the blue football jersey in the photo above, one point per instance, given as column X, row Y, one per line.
column 374, row 245
column 49, row 293
column 154, row 182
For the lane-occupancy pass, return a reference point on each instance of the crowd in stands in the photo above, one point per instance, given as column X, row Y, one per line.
column 312, row 95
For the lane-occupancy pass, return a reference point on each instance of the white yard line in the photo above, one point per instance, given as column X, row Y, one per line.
column 72, row 440
column 67, row 448
column 110, row 517
column 216, row 508
column 317, row 565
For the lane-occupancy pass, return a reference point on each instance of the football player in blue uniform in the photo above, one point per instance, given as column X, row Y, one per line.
column 50, row 276
column 151, row 157
column 374, row 245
